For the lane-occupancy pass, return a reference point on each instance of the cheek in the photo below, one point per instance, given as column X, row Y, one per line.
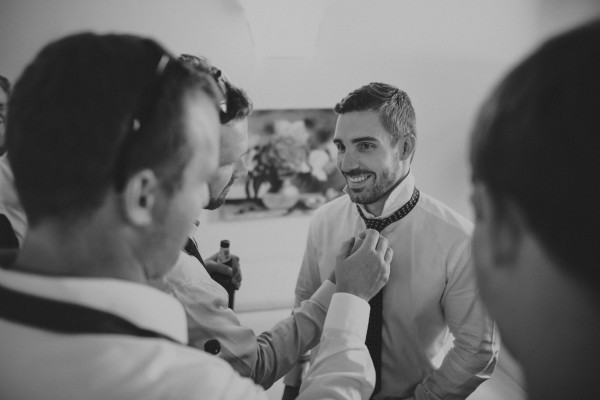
column 483, row 265
column 220, row 179
column 190, row 206
column 203, row 197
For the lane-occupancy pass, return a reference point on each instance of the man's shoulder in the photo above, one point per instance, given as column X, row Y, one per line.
column 332, row 209
column 441, row 214
column 186, row 271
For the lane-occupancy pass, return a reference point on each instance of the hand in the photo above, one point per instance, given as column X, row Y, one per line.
column 363, row 265
column 234, row 271
column 290, row 392
column 356, row 242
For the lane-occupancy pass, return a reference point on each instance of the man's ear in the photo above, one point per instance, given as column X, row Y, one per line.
column 408, row 146
column 139, row 197
column 506, row 226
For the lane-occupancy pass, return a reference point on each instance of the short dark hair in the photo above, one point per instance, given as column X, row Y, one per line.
column 239, row 104
column 74, row 113
column 537, row 143
column 5, row 85
column 396, row 112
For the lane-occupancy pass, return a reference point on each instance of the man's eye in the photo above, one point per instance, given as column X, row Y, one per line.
column 365, row 146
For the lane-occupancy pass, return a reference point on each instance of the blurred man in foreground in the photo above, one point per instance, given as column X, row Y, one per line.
column 535, row 171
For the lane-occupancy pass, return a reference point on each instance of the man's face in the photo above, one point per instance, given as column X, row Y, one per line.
column 175, row 219
column 481, row 240
column 366, row 157
column 232, row 161
column 3, row 101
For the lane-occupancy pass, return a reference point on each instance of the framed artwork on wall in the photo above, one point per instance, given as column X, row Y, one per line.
column 291, row 165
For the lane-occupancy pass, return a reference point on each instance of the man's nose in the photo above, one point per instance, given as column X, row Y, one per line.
column 347, row 161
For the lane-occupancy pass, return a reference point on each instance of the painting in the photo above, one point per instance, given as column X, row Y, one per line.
column 291, row 165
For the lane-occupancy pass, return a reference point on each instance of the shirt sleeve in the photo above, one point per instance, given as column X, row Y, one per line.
column 264, row 358
column 309, row 279
column 343, row 368
column 473, row 357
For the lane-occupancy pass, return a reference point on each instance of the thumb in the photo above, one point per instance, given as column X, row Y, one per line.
column 346, row 249
column 212, row 267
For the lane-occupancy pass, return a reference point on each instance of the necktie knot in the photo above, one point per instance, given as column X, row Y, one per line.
column 381, row 224
column 373, row 339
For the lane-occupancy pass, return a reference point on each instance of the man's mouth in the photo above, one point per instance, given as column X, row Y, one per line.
column 358, row 178
column 356, row 181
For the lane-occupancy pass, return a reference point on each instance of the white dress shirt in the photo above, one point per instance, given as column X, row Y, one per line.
column 38, row 364
column 9, row 200
column 438, row 341
column 266, row 357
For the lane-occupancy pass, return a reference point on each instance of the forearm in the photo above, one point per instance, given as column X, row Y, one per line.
column 475, row 352
column 280, row 348
column 343, row 368
column 460, row 374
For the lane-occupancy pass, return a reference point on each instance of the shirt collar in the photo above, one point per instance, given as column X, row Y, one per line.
column 143, row 305
column 397, row 198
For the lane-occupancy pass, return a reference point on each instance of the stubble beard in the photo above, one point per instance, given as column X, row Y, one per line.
column 381, row 187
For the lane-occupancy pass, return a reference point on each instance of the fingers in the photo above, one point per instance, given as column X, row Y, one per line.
column 374, row 241
column 236, row 278
column 371, row 238
column 357, row 244
column 346, row 248
column 389, row 254
column 382, row 244
column 213, row 266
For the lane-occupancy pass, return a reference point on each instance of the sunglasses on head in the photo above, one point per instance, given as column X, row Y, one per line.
column 219, row 76
column 138, row 121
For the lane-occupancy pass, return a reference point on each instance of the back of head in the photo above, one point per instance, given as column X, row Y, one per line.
column 91, row 110
column 395, row 109
column 537, row 141
column 238, row 105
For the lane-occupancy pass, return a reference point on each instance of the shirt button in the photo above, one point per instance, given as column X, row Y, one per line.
column 212, row 346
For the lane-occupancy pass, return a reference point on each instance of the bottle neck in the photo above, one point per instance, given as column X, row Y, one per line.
column 224, row 254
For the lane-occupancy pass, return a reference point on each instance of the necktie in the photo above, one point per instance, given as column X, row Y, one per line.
column 191, row 248
column 373, row 340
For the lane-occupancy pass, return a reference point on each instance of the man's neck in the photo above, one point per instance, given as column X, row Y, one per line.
column 53, row 251
column 377, row 207
column 559, row 349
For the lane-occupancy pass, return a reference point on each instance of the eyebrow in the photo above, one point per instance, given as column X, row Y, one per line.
column 358, row 139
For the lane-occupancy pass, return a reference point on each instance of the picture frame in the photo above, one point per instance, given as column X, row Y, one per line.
column 291, row 165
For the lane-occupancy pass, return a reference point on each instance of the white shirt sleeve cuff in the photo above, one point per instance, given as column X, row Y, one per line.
column 324, row 293
column 349, row 313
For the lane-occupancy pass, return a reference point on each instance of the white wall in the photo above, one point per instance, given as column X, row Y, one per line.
column 445, row 54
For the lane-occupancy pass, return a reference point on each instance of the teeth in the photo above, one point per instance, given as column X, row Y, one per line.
column 357, row 179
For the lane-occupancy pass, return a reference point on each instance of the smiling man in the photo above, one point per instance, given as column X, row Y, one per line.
column 431, row 297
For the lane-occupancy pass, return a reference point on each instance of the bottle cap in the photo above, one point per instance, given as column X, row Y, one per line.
column 225, row 243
